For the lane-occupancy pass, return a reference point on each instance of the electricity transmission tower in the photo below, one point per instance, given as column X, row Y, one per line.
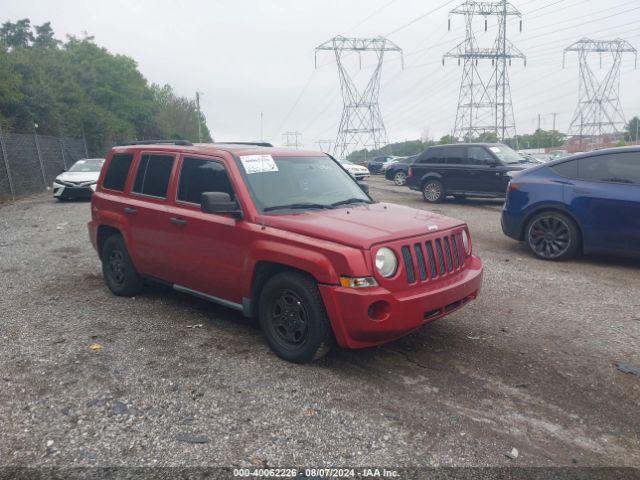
column 484, row 104
column 361, row 124
column 599, row 111
column 292, row 139
column 324, row 145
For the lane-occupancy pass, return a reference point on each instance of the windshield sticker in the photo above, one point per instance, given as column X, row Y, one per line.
column 258, row 164
column 494, row 149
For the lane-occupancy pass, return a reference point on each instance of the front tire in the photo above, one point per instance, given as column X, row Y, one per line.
column 293, row 318
column 117, row 268
column 400, row 178
column 552, row 236
column 433, row 191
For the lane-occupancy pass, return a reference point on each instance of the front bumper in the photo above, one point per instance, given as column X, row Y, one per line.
column 349, row 309
column 65, row 191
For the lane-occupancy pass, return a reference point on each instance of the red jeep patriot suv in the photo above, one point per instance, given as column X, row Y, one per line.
column 285, row 235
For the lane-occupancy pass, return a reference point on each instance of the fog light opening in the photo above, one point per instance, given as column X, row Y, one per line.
column 379, row 311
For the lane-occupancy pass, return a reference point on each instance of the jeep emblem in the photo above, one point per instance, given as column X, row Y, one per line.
column 432, row 228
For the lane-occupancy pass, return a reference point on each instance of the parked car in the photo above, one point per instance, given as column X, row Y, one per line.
column 375, row 165
column 359, row 172
column 397, row 172
column 583, row 203
column 285, row 235
column 79, row 181
column 557, row 154
column 542, row 157
column 464, row 170
column 531, row 157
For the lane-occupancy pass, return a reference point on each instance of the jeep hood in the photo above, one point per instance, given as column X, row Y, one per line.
column 362, row 226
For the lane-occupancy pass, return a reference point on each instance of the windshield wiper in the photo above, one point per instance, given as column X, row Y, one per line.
column 298, row 206
column 349, row 200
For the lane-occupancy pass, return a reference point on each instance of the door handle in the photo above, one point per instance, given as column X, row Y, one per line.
column 581, row 190
column 178, row 221
column 130, row 210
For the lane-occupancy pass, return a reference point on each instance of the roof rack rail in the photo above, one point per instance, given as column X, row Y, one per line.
column 257, row 144
column 161, row 142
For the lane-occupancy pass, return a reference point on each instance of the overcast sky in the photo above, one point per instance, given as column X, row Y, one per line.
column 252, row 56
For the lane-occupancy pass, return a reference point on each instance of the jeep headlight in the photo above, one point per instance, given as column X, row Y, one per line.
column 386, row 262
column 466, row 242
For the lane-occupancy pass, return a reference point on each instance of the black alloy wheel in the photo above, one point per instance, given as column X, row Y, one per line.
column 117, row 268
column 289, row 319
column 293, row 318
column 552, row 236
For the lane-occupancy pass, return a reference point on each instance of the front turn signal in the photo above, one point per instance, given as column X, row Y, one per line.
column 358, row 282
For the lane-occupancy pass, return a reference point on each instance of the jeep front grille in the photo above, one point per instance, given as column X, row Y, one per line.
column 433, row 258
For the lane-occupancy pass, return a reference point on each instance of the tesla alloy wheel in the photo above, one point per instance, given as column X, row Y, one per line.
column 552, row 236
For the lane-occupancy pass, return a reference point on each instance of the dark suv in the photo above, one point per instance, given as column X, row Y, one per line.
column 461, row 170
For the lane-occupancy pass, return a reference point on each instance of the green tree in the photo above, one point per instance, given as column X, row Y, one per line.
column 632, row 133
column 44, row 37
column 18, row 34
column 78, row 87
column 447, row 139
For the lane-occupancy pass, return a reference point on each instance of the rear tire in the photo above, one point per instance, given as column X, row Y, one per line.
column 117, row 268
column 552, row 235
column 433, row 191
column 400, row 178
column 293, row 318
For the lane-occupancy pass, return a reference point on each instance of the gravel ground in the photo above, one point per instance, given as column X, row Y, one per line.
column 530, row 365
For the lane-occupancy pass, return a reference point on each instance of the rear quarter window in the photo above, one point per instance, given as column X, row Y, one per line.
column 117, row 172
column 566, row 169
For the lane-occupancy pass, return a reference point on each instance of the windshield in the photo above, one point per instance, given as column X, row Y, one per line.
column 301, row 183
column 88, row 165
column 507, row 155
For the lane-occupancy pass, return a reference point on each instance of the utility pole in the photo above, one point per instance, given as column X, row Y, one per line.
column 261, row 126
column 484, row 104
column 598, row 111
column 199, row 116
column 555, row 114
column 361, row 124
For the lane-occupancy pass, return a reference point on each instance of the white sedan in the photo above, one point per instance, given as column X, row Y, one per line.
column 79, row 181
column 358, row 172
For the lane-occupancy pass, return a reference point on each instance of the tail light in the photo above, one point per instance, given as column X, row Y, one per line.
column 410, row 172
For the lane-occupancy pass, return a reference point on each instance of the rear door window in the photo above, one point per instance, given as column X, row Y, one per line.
column 453, row 155
column 117, row 172
column 614, row 167
column 153, row 175
column 199, row 175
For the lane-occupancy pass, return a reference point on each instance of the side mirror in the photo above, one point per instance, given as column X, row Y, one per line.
column 364, row 187
column 219, row 202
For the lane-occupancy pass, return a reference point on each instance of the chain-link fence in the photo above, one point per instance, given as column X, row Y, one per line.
column 29, row 162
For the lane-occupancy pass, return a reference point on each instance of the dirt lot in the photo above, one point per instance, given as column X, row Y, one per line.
column 530, row 365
